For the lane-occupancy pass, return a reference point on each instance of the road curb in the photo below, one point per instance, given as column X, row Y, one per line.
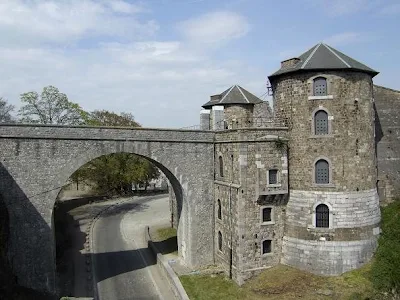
column 166, row 269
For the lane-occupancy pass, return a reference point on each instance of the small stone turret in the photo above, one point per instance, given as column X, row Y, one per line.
column 232, row 109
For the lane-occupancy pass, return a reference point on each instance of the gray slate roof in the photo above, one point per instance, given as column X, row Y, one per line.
column 234, row 95
column 322, row 56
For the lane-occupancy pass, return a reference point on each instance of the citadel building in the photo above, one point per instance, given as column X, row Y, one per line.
column 299, row 186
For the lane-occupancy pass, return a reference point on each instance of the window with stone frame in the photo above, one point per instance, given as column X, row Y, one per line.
column 321, row 122
column 322, row 172
column 267, row 214
column 322, row 216
column 219, row 241
column 221, row 166
column 219, row 213
column 320, row 87
column 273, row 176
column 266, row 246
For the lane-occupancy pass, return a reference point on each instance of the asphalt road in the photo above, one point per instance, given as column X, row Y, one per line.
column 123, row 266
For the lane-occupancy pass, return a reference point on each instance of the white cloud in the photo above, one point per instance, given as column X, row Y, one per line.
column 113, row 61
column 215, row 27
column 54, row 21
column 120, row 6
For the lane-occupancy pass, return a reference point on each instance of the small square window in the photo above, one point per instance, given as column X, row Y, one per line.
column 266, row 246
column 272, row 176
column 267, row 214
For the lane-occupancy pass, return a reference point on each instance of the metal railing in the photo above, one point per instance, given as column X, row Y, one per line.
column 239, row 123
column 255, row 122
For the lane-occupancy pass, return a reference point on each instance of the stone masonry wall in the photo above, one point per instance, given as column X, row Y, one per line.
column 247, row 154
column 350, row 144
column 387, row 136
column 349, row 148
column 327, row 258
column 238, row 116
column 36, row 161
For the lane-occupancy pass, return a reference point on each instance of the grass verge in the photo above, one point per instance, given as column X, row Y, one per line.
column 282, row 282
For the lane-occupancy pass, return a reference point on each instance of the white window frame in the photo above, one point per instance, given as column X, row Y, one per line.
column 272, row 215
column 278, row 178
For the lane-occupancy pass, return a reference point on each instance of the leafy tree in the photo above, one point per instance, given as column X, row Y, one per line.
column 5, row 111
column 51, row 107
column 115, row 173
column 107, row 118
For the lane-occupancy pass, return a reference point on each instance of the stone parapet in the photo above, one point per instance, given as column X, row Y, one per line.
column 327, row 257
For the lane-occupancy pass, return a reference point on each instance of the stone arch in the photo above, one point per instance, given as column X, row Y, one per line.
column 33, row 177
column 175, row 183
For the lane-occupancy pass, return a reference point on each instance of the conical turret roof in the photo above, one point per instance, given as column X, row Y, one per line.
column 322, row 57
column 234, row 95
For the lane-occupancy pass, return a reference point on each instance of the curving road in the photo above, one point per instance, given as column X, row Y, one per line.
column 123, row 266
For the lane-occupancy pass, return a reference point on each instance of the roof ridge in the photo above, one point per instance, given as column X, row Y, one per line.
column 311, row 54
column 240, row 89
column 337, row 55
column 223, row 98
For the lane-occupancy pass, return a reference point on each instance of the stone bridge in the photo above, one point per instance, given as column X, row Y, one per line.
column 37, row 160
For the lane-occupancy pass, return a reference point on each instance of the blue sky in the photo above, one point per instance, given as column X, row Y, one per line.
column 162, row 59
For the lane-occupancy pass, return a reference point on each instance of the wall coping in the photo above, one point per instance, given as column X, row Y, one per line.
column 166, row 269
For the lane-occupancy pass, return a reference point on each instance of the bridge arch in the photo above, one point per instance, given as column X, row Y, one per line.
column 37, row 161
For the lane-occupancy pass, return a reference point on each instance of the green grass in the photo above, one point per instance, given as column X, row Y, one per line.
column 282, row 283
column 163, row 234
column 201, row 287
column 377, row 280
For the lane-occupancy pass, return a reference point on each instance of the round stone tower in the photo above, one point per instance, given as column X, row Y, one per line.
column 332, row 216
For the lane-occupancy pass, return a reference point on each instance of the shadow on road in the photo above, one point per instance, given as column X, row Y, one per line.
column 70, row 241
column 111, row 264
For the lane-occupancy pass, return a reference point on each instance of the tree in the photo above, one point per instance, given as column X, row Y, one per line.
column 5, row 111
column 115, row 173
column 51, row 107
column 107, row 118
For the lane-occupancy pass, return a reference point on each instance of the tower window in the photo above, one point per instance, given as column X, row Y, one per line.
column 219, row 210
column 321, row 122
column 322, row 216
column 266, row 246
column 322, row 172
column 221, row 166
column 272, row 176
column 320, row 87
column 267, row 214
column 219, row 241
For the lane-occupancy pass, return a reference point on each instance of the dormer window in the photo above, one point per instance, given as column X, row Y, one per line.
column 320, row 87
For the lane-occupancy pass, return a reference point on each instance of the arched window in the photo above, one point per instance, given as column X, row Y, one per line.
column 322, row 172
column 321, row 122
column 221, row 167
column 219, row 241
column 322, row 216
column 320, row 87
column 219, row 210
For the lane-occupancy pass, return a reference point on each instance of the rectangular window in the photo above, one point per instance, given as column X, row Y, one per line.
column 266, row 246
column 266, row 214
column 272, row 176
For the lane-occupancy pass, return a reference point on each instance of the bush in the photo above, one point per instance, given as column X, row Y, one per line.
column 385, row 273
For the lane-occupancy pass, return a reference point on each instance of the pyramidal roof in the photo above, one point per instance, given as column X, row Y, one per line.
column 322, row 56
column 234, row 95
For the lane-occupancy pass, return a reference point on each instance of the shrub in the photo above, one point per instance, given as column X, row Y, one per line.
column 385, row 273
